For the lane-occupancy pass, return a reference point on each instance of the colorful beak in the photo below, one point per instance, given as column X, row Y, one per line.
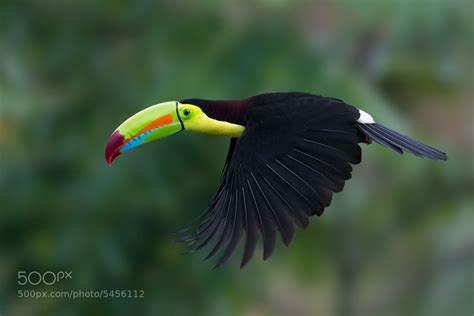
column 156, row 122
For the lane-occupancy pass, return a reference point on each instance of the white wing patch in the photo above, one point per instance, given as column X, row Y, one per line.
column 365, row 118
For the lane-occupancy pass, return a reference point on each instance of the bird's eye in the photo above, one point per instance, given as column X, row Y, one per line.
column 186, row 112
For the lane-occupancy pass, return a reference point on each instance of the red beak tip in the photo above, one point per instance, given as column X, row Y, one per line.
column 112, row 149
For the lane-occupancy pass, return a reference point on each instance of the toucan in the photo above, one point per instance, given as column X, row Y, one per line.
column 288, row 154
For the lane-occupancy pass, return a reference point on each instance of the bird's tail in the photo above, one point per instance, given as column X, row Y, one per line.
column 398, row 142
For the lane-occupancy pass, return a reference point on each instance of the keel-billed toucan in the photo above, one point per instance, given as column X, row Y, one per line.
column 288, row 153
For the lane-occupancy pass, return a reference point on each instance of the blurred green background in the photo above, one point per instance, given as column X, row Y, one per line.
column 398, row 240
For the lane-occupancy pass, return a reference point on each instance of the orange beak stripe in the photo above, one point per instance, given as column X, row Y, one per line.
column 161, row 121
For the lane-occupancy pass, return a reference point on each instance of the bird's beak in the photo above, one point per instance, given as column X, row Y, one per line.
column 157, row 121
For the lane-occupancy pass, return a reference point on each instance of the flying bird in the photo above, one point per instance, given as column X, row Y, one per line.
column 288, row 154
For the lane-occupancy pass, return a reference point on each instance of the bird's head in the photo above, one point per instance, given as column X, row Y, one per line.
column 165, row 119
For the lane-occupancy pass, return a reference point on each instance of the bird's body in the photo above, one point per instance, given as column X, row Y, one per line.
column 289, row 152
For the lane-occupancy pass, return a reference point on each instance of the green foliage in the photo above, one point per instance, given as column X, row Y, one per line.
column 397, row 241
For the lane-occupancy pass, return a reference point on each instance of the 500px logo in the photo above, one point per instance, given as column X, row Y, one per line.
column 45, row 278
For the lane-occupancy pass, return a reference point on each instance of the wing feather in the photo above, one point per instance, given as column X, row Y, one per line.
column 265, row 225
column 237, row 229
column 250, row 226
column 282, row 220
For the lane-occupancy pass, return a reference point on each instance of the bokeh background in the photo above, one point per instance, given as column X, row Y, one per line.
column 398, row 241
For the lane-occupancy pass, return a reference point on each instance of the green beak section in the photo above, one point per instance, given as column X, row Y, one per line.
column 155, row 122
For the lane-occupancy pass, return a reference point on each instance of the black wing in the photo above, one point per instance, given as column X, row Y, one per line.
column 283, row 169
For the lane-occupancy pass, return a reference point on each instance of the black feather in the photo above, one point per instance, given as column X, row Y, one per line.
column 250, row 227
column 267, row 228
column 277, row 210
column 237, row 227
column 398, row 142
column 295, row 209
